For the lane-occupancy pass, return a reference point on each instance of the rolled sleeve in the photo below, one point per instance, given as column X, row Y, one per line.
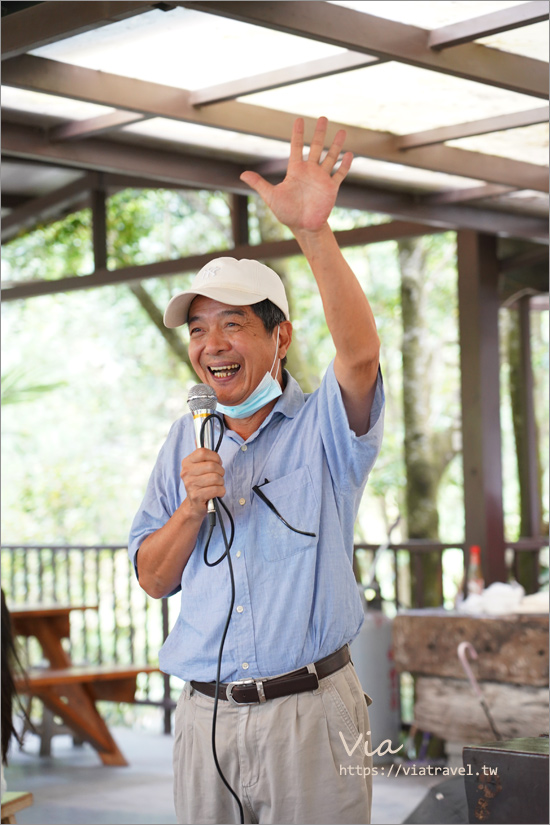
column 350, row 457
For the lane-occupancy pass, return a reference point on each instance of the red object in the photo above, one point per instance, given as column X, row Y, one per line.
column 475, row 573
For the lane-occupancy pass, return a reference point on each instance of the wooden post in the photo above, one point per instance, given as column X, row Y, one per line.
column 99, row 226
column 239, row 219
column 480, row 394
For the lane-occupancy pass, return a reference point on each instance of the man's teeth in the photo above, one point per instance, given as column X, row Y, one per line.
column 225, row 371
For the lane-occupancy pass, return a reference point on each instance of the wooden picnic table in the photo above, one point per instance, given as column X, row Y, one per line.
column 68, row 690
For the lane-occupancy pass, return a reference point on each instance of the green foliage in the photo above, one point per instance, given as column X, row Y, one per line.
column 51, row 251
column 17, row 390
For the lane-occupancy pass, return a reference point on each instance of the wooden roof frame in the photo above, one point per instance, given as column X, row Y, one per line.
column 98, row 145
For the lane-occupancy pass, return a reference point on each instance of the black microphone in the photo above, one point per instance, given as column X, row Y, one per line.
column 202, row 402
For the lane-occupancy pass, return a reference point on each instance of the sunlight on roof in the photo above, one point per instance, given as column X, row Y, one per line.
column 224, row 140
column 184, row 48
column 529, row 143
column 531, row 41
column 395, row 98
column 403, row 177
column 42, row 104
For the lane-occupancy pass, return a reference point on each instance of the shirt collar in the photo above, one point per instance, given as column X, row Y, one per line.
column 288, row 404
column 292, row 399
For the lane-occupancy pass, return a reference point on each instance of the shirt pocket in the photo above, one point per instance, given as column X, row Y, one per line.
column 294, row 498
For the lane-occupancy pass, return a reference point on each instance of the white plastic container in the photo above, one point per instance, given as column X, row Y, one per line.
column 372, row 656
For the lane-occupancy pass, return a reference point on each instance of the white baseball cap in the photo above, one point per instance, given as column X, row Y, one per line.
column 233, row 282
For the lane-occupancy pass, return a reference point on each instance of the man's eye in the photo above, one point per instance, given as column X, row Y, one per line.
column 194, row 331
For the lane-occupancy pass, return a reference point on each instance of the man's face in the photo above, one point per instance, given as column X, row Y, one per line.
column 229, row 348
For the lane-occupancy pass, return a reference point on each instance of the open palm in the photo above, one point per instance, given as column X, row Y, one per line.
column 306, row 197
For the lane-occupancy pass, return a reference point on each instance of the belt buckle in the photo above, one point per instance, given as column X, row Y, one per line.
column 259, row 687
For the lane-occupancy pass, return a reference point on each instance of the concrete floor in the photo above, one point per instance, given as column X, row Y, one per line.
column 72, row 787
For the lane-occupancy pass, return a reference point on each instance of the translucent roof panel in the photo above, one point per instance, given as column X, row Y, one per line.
column 34, row 180
column 530, row 41
column 184, row 48
column 229, row 143
column 377, row 97
column 406, row 177
column 529, row 143
column 41, row 104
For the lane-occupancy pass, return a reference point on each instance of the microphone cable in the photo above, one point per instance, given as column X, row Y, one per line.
column 218, row 504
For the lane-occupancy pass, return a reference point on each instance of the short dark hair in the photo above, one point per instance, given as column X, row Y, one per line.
column 271, row 316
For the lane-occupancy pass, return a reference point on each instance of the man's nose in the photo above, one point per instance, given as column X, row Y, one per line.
column 216, row 342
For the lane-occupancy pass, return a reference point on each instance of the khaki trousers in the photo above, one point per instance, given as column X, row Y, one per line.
column 296, row 759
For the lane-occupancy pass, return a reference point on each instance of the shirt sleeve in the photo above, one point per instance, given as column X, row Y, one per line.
column 350, row 457
column 163, row 494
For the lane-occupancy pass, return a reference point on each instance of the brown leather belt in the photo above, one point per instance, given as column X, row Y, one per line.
column 256, row 691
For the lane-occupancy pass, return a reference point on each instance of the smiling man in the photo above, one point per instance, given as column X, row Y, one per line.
column 291, row 468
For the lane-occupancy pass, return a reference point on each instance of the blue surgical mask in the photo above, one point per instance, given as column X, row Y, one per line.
column 267, row 390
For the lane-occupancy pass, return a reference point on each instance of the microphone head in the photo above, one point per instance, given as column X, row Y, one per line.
column 202, row 397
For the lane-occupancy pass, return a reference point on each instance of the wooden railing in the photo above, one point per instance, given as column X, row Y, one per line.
column 128, row 626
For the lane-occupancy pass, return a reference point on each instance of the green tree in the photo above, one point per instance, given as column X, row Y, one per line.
column 428, row 450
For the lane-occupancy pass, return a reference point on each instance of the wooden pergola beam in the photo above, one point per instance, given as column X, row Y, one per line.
column 312, row 70
column 39, row 208
column 524, row 14
column 472, row 193
column 192, row 263
column 47, row 23
column 78, row 129
column 12, row 200
column 485, row 126
column 129, row 165
column 157, row 100
column 524, row 260
column 387, row 39
column 120, row 158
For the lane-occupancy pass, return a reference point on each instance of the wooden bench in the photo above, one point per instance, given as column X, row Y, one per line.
column 71, row 693
column 108, row 682
column 14, row 801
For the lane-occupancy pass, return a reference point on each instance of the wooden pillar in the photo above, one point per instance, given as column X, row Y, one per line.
column 480, row 394
column 99, row 226
column 239, row 219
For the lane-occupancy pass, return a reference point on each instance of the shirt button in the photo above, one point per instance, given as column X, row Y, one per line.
column 244, row 448
column 238, row 554
column 240, row 609
column 242, row 501
column 245, row 665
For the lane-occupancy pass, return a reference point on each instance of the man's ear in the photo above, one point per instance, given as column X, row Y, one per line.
column 285, row 337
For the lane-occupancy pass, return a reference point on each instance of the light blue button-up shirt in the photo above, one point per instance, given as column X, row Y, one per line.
column 296, row 596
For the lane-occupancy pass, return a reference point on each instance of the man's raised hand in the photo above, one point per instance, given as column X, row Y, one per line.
column 304, row 200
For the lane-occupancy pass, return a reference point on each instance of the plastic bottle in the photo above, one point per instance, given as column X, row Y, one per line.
column 475, row 573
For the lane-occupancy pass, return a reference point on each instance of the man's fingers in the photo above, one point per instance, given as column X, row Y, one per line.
column 334, row 151
column 318, row 142
column 297, row 141
column 343, row 169
column 259, row 184
column 202, row 454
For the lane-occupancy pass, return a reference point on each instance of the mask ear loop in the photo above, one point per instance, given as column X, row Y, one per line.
column 276, row 350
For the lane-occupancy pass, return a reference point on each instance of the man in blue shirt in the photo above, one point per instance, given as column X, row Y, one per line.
column 293, row 734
